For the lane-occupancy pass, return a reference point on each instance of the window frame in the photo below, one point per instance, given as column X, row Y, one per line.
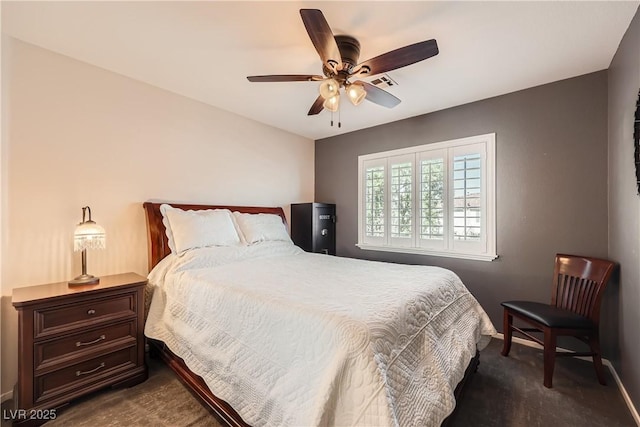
column 485, row 250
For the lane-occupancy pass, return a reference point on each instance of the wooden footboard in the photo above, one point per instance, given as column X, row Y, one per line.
column 227, row 415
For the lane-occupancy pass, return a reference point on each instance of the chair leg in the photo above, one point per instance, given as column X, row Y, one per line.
column 594, row 343
column 549, row 356
column 507, row 332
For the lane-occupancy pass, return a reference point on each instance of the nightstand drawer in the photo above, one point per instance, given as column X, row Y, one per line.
column 83, row 375
column 65, row 350
column 82, row 314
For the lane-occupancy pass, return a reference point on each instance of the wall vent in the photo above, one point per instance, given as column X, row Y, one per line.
column 383, row 81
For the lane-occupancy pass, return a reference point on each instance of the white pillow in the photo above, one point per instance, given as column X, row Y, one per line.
column 261, row 227
column 198, row 229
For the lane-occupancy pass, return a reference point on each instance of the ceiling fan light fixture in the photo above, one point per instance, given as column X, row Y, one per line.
column 329, row 88
column 356, row 93
column 332, row 103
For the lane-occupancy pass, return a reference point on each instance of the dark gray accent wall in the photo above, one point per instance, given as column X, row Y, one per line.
column 624, row 205
column 551, row 157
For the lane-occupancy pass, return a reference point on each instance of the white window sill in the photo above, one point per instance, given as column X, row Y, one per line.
column 422, row 251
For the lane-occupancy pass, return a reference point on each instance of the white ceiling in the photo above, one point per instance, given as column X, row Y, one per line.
column 204, row 50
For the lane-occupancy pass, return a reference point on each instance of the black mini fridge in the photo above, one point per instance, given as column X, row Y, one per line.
column 313, row 227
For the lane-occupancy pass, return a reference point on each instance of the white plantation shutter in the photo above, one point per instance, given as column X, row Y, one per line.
column 401, row 200
column 435, row 199
column 468, row 199
column 374, row 201
column 432, row 219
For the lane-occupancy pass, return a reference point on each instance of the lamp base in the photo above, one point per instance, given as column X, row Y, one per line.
column 84, row 279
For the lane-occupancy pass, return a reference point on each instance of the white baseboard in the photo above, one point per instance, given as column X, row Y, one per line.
column 625, row 395
column 605, row 362
column 6, row 396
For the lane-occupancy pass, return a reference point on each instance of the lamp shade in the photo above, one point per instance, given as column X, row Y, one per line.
column 329, row 88
column 88, row 235
column 332, row 103
column 356, row 93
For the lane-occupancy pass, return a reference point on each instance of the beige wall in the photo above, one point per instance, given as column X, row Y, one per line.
column 78, row 135
column 3, row 197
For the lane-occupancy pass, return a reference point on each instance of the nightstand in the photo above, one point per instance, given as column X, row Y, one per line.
column 73, row 340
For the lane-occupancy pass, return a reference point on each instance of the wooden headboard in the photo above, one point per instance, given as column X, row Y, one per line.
column 157, row 237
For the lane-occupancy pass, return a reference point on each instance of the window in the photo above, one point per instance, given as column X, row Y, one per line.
column 435, row 199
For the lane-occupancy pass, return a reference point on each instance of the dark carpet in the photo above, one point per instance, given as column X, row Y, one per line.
column 508, row 391
column 504, row 392
column 160, row 401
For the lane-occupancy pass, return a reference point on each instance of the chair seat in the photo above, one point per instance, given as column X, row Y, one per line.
column 549, row 315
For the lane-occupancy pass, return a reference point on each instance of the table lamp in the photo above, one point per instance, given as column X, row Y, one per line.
column 88, row 235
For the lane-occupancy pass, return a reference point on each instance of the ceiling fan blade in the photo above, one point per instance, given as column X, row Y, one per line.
column 316, row 107
column 398, row 58
column 379, row 96
column 285, row 78
column 322, row 38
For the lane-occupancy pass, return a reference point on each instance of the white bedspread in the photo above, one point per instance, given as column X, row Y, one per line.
column 296, row 339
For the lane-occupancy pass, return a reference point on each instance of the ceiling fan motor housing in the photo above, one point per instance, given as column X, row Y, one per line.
column 349, row 49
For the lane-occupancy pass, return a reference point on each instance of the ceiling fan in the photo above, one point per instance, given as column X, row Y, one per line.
column 339, row 56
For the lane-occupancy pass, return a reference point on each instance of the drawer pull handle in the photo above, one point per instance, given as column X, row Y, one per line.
column 100, row 366
column 100, row 338
column 91, row 311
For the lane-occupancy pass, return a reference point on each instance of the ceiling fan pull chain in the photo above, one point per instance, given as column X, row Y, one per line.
column 332, row 119
column 339, row 118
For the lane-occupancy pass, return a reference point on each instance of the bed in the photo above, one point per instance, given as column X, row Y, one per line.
column 266, row 334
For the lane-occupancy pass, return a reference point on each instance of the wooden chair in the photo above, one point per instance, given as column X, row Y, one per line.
column 578, row 284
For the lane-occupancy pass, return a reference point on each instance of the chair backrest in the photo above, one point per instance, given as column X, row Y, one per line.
column 578, row 284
